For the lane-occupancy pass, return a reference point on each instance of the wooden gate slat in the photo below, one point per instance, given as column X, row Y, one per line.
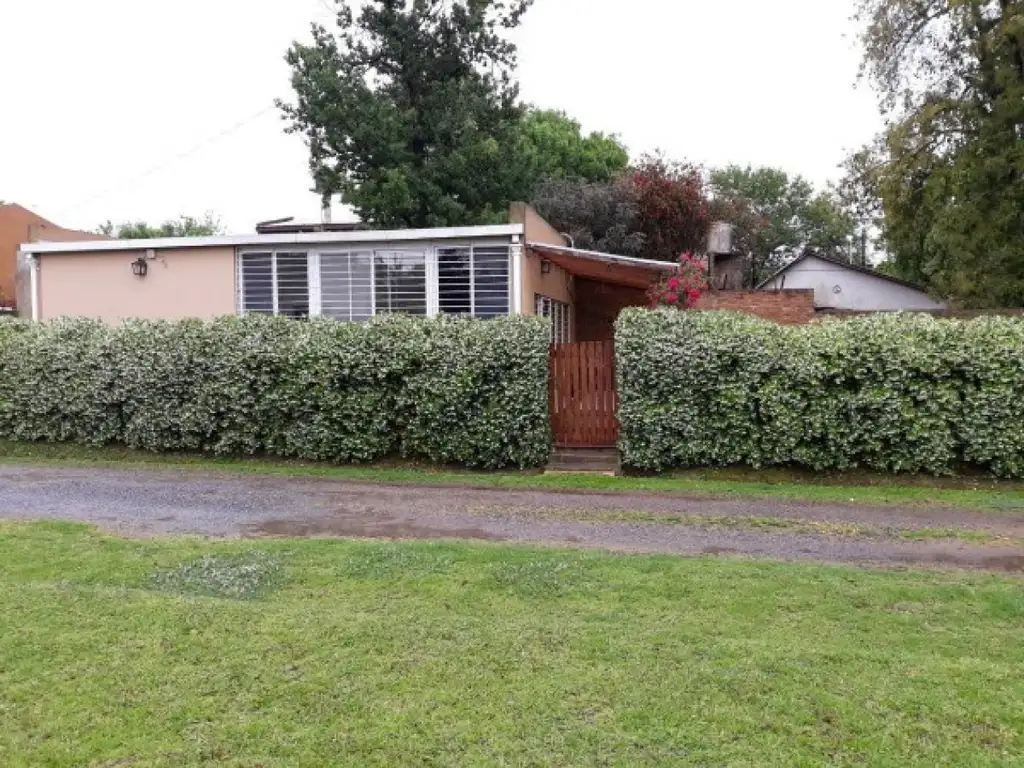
column 594, row 395
column 609, row 388
column 569, row 384
column 585, row 431
column 597, row 370
column 580, row 393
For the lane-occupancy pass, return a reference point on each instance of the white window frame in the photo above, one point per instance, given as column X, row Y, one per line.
column 431, row 272
column 274, row 286
column 511, row 255
column 560, row 314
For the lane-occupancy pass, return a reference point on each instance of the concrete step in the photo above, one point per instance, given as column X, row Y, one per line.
column 604, row 460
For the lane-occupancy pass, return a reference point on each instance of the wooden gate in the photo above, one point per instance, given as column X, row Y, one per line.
column 584, row 402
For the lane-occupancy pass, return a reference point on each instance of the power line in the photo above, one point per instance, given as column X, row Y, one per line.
column 168, row 162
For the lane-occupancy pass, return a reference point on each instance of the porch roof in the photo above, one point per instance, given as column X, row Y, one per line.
column 603, row 267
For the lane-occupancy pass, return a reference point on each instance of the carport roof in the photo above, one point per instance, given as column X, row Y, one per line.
column 604, row 267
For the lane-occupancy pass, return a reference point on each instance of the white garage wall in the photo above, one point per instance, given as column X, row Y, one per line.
column 838, row 287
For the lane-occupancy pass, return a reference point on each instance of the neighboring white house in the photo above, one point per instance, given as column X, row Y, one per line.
column 838, row 285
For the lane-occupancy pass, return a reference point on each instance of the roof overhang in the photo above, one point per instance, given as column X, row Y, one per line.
column 294, row 238
column 604, row 267
column 841, row 265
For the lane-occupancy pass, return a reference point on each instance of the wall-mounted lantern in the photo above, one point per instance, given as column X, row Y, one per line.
column 545, row 267
column 140, row 267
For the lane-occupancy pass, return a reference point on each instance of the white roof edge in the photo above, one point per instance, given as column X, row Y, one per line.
column 302, row 238
column 609, row 257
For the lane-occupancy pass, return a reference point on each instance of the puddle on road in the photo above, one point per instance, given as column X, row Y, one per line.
column 1006, row 563
column 1013, row 563
column 716, row 551
column 367, row 529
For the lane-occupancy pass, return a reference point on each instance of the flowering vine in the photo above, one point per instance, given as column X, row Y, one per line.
column 682, row 287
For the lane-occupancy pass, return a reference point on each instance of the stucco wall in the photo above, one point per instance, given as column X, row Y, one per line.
column 188, row 282
column 556, row 284
column 857, row 290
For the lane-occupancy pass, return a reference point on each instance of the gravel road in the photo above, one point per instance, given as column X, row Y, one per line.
column 147, row 502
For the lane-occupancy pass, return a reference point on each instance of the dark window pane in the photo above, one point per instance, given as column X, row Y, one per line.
column 257, row 283
column 453, row 281
column 558, row 312
column 491, row 283
column 346, row 286
column 292, row 285
column 401, row 282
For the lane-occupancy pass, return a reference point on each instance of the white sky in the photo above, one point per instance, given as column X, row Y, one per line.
column 124, row 110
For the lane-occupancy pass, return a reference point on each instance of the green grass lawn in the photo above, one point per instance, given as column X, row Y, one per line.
column 325, row 652
column 973, row 492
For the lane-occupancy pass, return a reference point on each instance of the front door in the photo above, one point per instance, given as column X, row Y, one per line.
column 584, row 402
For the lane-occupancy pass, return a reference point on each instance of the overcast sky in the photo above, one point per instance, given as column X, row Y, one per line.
column 123, row 110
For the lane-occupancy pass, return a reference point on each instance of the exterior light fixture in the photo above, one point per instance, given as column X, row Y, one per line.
column 545, row 266
column 140, row 267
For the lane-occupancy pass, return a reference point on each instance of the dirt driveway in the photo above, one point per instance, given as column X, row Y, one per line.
column 148, row 502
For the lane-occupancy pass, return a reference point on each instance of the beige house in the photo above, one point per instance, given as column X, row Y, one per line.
column 524, row 267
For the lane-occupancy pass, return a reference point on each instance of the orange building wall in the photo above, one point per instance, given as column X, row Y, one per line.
column 19, row 225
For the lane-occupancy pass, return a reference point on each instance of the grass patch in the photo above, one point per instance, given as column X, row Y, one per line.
column 975, row 492
column 455, row 654
column 240, row 577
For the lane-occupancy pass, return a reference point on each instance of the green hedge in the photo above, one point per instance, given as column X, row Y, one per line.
column 898, row 393
column 449, row 390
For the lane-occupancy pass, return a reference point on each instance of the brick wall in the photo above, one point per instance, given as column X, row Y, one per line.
column 598, row 306
column 793, row 307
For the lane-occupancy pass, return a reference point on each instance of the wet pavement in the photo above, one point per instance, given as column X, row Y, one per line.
column 156, row 502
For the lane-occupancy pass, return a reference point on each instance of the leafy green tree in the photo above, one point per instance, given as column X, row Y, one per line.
column 777, row 216
column 598, row 216
column 552, row 146
column 656, row 209
column 410, row 112
column 183, row 226
column 948, row 172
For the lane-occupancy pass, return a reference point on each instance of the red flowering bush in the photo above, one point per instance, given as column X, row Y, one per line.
column 682, row 287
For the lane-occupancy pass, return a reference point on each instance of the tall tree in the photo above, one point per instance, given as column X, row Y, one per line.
column 183, row 226
column 410, row 112
column 948, row 171
column 552, row 146
column 777, row 216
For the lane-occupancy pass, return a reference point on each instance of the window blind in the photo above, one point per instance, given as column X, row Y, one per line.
column 275, row 283
column 474, row 280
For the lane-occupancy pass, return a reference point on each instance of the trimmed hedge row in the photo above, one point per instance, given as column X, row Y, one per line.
column 449, row 390
column 898, row 393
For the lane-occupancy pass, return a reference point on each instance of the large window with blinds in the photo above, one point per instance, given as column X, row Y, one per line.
column 354, row 285
column 473, row 280
column 399, row 282
column 346, row 285
column 275, row 283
